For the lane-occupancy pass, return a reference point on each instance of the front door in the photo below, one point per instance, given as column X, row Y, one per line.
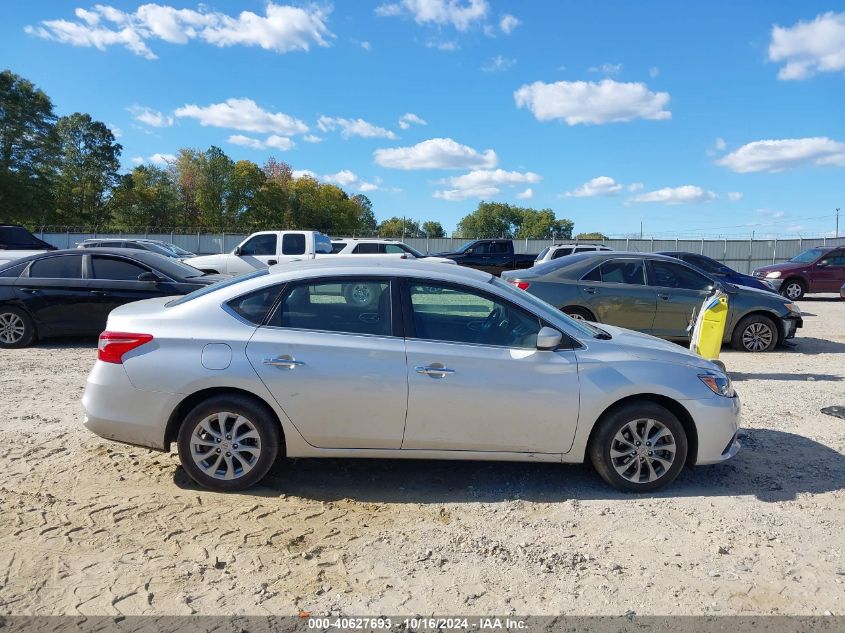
column 831, row 276
column 680, row 294
column 331, row 360
column 113, row 282
column 476, row 380
column 617, row 294
column 259, row 251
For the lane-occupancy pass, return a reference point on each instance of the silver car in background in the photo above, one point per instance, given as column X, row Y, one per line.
column 395, row 358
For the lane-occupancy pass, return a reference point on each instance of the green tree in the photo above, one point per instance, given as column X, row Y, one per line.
column 28, row 150
column 399, row 227
column 88, row 164
column 596, row 236
column 543, row 225
column 432, row 228
column 498, row 219
column 245, row 183
column 145, row 197
column 186, row 174
column 367, row 224
column 214, row 182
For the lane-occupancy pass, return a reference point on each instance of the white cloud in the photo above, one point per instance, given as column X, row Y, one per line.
column 312, row 138
column 282, row 143
column 676, row 195
column 483, row 183
column 281, row 29
column 526, row 195
column 606, row 69
column 115, row 130
column 585, row 102
column 777, row 155
column 349, row 180
column 653, row 72
column 449, row 46
column 243, row 114
column 157, row 159
column 150, row 117
column 366, row 46
column 137, row 160
column 720, row 144
column 435, row 153
column 771, row 213
column 296, row 174
column 498, row 63
column 353, row 127
column 806, row 48
column 599, row 186
column 636, row 186
column 408, row 119
column 733, row 196
column 508, row 23
column 457, row 13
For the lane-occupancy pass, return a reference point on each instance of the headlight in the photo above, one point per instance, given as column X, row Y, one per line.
column 773, row 275
column 793, row 308
column 719, row 384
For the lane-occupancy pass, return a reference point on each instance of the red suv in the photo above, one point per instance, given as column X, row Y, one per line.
column 814, row 270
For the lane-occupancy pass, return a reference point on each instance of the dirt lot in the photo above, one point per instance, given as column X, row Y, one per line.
column 93, row 527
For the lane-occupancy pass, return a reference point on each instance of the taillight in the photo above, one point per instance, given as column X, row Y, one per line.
column 522, row 285
column 113, row 345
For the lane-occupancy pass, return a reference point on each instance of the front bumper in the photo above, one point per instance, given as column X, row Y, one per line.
column 717, row 422
column 791, row 325
column 775, row 283
column 115, row 410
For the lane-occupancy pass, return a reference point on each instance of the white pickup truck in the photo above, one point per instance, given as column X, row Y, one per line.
column 16, row 242
column 263, row 249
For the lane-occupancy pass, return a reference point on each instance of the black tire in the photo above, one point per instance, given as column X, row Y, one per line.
column 793, row 289
column 755, row 333
column 614, row 421
column 16, row 328
column 258, row 416
column 579, row 314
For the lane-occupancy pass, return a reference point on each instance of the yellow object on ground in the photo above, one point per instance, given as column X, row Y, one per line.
column 710, row 326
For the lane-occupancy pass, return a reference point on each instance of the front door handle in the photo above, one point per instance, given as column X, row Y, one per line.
column 432, row 370
column 283, row 361
column 30, row 291
column 590, row 291
column 665, row 297
column 272, row 262
column 99, row 293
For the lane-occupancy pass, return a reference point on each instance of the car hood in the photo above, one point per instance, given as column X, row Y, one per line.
column 648, row 347
column 780, row 267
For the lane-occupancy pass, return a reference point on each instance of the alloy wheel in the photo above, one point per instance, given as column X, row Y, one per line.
column 12, row 328
column 643, row 450
column 225, row 445
column 757, row 337
column 794, row 290
column 577, row 316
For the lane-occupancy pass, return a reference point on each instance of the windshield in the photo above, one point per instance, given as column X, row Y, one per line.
column 17, row 237
column 808, row 256
column 161, row 249
column 548, row 311
column 465, row 247
column 196, row 294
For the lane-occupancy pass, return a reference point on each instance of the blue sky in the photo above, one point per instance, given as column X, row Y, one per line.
column 692, row 118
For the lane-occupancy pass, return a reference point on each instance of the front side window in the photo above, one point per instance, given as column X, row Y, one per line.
column 61, row 267
column 366, row 248
column 115, row 269
column 669, row 275
column 293, row 244
column 584, row 249
column 837, row 258
column 481, row 249
column 393, row 249
column 462, row 315
column 260, row 245
column 337, row 247
column 350, row 306
column 619, row 271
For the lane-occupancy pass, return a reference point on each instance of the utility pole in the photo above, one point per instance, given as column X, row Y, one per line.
column 641, row 229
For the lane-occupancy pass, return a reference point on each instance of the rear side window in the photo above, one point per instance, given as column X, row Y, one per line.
column 255, row 306
column 562, row 252
column 351, row 306
column 619, row 271
column 293, row 244
column 366, row 248
column 116, row 269
column 14, row 271
column 220, row 285
column 61, row 267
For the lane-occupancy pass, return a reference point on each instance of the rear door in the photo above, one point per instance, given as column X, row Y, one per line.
column 680, row 293
column 57, row 296
column 617, row 293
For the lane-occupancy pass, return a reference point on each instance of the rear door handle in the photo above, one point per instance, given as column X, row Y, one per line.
column 665, row 297
column 431, row 370
column 99, row 293
column 590, row 291
column 283, row 361
column 272, row 262
column 31, row 291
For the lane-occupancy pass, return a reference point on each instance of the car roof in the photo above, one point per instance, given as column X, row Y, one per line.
column 381, row 266
column 146, row 256
column 573, row 244
column 379, row 240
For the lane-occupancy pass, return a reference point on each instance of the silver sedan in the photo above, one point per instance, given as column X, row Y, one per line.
column 399, row 359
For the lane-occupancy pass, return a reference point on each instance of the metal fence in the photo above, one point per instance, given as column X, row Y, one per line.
column 742, row 255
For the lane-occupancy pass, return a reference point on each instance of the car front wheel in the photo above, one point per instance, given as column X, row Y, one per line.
column 793, row 289
column 638, row 447
column 755, row 333
column 228, row 442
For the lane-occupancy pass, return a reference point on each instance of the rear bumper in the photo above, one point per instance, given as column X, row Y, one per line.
column 115, row 410
column 717, row 422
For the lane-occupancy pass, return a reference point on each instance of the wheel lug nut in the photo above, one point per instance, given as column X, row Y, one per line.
column 218, row 440
column 234, row 445
column 228, row 437
column 649, row 453
column 218, row 450
column 228, row 454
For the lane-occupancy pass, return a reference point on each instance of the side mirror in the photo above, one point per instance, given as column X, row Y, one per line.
column 149, row 276
column 237, row 251
column 548, row 338
column 823, row 263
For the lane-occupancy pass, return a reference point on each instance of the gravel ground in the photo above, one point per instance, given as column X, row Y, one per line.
column 92, row 527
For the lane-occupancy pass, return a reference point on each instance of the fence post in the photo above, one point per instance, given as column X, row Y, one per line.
column 725, row 252
column 67, row 238
column 750, row 251
column 775, row 250
column 198, row 243
column 628, row 244
column 702, row 247
column 223, row 243
column 651, row 250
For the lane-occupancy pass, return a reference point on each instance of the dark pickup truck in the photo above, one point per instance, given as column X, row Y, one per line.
column 491, row 256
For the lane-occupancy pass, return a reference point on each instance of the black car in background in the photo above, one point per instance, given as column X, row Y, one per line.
column 492, row 256
column 71, row 292
column 719, row 270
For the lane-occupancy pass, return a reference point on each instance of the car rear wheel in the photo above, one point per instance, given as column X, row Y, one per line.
column 579, row 314
column 793, row 289
column 755, row 333
column 638, row 447
column 228, row 443
column 16, row 328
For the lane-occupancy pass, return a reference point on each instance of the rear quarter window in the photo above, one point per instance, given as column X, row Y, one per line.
column 255, row 306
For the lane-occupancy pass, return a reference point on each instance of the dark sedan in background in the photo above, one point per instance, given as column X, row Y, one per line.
column 719, row 271
column 71, row 292
column 656, row 295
